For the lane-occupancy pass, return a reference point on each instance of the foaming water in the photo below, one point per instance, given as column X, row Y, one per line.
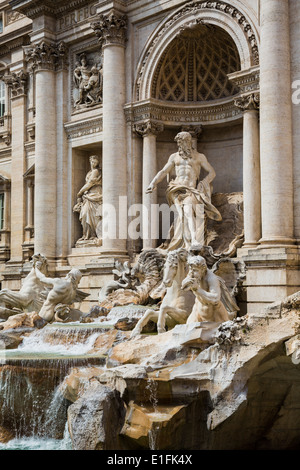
column 36, row 443
column 40, row 341
column 32, row 404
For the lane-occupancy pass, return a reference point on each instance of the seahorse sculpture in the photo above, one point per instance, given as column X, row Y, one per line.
column 135, row 285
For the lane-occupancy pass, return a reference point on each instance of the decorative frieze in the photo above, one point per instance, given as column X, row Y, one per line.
column 83, row 128
column 111, row 28
column 247, row 80
column 12, row 16
column 48, row 56
column 181, row 115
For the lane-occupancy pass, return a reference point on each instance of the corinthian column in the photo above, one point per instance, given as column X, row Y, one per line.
column 111, row 30
column 150, row 221
column 43, row 59
column 251, row 169
column 276, row 124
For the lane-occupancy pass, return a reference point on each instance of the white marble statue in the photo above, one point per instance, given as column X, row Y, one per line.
column 63, row 293
column 32, row 293
column 187, row 192
column 89, row 203
column 207, row 288
column 177, row 303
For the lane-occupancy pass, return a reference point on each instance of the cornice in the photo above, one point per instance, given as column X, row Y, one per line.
column 176, row 114
column 34, row 8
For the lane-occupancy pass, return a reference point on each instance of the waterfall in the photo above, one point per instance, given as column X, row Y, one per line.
column 29, row 406
column 71, row 341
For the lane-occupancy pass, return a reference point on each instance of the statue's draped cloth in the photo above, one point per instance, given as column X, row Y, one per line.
column 91, row 208
column 178, row 194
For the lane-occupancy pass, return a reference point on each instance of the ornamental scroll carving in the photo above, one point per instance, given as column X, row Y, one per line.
column 111, row 28
column 17, row 82
column 49, row 56
column 248, row 102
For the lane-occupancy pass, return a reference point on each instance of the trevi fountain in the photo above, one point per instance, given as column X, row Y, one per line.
column 166, row 359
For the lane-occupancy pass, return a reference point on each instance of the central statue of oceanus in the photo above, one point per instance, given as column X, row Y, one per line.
column 190, row 196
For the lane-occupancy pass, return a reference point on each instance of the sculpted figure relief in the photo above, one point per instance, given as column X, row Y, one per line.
column 188, row 193
column 88, row 81
column 89, row 203
column 207, row 288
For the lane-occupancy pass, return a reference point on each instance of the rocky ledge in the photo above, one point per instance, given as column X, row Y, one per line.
column 211, row 386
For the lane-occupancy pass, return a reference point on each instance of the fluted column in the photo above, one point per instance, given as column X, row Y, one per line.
column 251, row 169
column 150, row 220
column 111, row 30
column 276, row 125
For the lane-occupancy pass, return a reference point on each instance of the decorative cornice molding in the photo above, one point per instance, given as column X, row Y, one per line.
column 49, row 56
column 78, row 129
column 182, row 115
column 111, row 29
column 148, row 127
column 35, row 8
column 247, row 80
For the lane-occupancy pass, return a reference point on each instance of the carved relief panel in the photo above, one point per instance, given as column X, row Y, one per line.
column 87, row 80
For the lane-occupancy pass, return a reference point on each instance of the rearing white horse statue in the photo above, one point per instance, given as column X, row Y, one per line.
column 177, row 304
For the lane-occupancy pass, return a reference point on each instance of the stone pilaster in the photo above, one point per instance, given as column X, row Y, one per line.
column 17, row 83
column 150, row 222
column 251, row 168
column 276, row 125
column 111, row 32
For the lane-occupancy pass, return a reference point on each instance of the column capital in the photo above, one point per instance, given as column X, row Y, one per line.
column 248, row 102
column 111, row 28
column 46, row 56
column 17, row 82
column 148, row 127
column 195, row 131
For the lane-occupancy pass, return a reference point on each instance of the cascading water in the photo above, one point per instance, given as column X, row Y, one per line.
column 32, row 407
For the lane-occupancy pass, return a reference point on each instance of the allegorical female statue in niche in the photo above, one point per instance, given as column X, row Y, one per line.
column 89, row 204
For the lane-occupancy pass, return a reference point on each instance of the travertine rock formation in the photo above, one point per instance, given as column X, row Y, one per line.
column 233, row 385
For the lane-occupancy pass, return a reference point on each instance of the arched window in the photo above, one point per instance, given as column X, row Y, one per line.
column 2, row 98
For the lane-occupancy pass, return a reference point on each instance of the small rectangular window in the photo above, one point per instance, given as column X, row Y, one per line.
column 2, row 98
column 1, row 211
column 1, row 23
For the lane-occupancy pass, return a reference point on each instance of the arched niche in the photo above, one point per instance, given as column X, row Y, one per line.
column 187, row 18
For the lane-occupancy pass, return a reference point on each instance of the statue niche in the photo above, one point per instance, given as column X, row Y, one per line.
column 89, row 205
column 88, row 83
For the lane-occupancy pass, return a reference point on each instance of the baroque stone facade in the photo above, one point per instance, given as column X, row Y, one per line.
column 118, row 80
